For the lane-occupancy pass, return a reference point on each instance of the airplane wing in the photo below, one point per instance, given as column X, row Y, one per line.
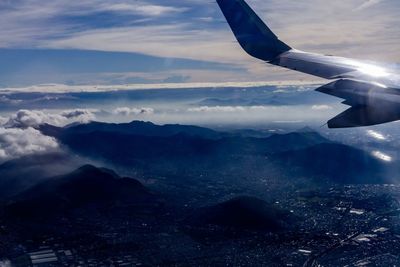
column 368, row 88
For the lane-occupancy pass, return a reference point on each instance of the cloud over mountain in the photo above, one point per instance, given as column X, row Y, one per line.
column 33, row 118
column 126, row 111
column 81, row 115
column 18, row 136
column 19, row 142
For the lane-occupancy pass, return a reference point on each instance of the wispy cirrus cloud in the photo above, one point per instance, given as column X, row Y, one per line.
column 143, row 9
column 36, row 21
column 368, row 4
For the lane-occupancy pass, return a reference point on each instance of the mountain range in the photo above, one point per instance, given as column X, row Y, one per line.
column 191, row 150
column 194, row 190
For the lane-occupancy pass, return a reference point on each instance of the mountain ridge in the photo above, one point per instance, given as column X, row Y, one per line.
column 176, row 151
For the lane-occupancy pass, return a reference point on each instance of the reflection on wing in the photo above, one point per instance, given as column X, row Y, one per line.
column 365, row 87
column 371, row 103
column 329, row 67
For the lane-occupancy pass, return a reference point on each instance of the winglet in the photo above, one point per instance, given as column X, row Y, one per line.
column 251, row 32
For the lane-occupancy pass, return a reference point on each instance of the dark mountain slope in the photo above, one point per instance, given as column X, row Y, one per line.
column 123, row 143
column 336, row 163
column 18, row 175
column 138, row 128
column 88, row 186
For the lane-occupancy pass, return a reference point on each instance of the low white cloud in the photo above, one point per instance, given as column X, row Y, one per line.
column 376, row 135
column 4, row 99
column 126, row 111
column 230, row 109
column 33, row 118
column 260, row 108
column 62, row 88
column 20, row 142
column 218, row 109
column 80, row 115
column 289, row 122
column 382, row 156
column 321, row 107
column 19, row 136
column 244, row 116
column 143, row 9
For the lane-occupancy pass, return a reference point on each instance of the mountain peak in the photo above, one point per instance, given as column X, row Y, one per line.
column 306, row 129
column 140, row 128
column 86, row 186
column 90, row 171
column 137, row 122
column 87, row 168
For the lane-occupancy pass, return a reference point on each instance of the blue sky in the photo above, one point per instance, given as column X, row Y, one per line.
column 178, row 41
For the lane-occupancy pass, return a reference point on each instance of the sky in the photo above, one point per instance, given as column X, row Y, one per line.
column 63, row 62
column 110, row 42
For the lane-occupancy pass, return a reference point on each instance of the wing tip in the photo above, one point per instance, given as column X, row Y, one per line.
column 251, row 32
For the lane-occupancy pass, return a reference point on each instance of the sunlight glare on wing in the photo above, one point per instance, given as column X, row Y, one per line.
column 372, row 70
column 382, row 156
column 376, row 135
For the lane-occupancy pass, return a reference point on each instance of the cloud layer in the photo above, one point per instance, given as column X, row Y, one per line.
column 126, row 111
column 19, row 142
column 19, row 136
column 61, row 88
column 33, row 118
